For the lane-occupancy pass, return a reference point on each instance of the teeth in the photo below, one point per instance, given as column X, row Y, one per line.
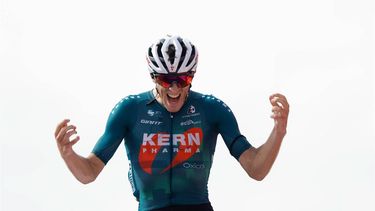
column 173, row 96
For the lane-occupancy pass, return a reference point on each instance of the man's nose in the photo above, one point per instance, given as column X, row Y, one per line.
column 174, row 86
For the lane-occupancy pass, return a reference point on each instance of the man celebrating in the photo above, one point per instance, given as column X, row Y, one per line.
column 170, row 135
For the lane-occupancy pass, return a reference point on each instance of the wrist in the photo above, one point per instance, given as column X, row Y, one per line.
column 67, row 155
column 278, row 132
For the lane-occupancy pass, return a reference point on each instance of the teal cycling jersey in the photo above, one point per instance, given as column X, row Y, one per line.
column 170, row 154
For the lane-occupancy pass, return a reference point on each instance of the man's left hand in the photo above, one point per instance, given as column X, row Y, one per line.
column 280, row 112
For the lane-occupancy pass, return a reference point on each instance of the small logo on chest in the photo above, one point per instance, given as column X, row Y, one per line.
column 191, row 110
column 150, row 122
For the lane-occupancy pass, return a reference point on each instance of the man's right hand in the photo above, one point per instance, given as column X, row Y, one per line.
column 84, row 169
column 63, row 134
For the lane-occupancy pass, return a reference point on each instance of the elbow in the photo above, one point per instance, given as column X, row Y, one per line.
column 86, row 180
column 258, row 176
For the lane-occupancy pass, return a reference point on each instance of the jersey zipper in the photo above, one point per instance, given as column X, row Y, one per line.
column 171, row 157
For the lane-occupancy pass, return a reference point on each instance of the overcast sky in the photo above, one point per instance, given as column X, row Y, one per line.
column 76, row 59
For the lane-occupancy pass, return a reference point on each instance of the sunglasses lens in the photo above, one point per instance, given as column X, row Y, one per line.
column 167, row 80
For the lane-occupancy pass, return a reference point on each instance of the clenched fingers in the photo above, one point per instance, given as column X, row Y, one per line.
column 61, row 125
column 280, row 106
column 65, row 133
column 280, row 100
column 69, row 134
column 74, row 141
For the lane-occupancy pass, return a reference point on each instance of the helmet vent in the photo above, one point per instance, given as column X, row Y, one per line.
column 152, row 59
column 192, row 55
column 171, row 53
column 183, row 53
column 160, row 55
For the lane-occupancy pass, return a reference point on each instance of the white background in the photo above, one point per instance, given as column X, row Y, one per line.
column 76, row 59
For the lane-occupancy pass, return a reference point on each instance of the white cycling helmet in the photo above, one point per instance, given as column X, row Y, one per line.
column 172, row 55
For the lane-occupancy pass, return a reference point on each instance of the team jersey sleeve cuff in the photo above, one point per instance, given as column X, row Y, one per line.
column 238, row 146
column 102, row 157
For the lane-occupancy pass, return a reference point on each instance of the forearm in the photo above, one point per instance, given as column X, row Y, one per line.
column 257, row 162
column 266, row 154
column 80, row 167
column 84, row 169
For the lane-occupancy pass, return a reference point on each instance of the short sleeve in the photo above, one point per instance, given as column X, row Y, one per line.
column 226, row 124
column 116, row 127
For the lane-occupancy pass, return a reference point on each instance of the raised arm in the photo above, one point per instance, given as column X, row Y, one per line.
column 257, row 162
column 84, row 169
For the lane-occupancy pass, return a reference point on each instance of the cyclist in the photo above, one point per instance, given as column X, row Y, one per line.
column 170, row 135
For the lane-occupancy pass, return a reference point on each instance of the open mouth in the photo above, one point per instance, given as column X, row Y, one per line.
column 173, row 98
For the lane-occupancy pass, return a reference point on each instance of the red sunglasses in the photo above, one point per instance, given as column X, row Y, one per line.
column 167, row 80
